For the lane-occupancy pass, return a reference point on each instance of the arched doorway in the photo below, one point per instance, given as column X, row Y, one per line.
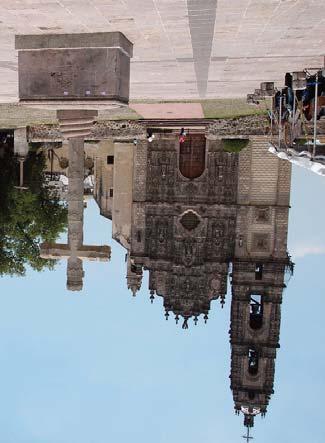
column 192, row 156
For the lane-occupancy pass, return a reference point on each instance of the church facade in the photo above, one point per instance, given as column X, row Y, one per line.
column 200, row 215
column 184, row 221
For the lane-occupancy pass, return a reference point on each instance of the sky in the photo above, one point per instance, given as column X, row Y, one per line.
column 102, row 366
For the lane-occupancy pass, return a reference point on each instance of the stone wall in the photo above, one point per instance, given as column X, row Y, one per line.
column 140, row 171
column 101, row 129
column 241, row 126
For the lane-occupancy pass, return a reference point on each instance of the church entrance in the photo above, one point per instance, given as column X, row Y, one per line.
column 192, row 156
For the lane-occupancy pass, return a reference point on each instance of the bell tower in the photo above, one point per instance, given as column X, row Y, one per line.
column 260, row 265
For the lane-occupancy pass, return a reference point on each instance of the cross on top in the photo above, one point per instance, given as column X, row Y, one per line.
column 75, row 251
column 248, row 437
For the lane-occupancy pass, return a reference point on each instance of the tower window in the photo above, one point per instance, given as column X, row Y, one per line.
column 258, row 271
column 252, row 362
column 256, row 312
column 110, row 159
column 111, row 192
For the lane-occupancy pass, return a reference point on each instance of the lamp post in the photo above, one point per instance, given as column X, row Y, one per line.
column 315, row 115
column 280, row 120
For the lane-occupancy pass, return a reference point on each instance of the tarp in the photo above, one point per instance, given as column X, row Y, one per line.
column 64, row 179
column 300, row 159
column 89, row 181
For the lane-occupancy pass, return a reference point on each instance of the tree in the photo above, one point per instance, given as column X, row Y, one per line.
column 27, row 218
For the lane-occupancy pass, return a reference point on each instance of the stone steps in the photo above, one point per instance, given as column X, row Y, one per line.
column 76, row 123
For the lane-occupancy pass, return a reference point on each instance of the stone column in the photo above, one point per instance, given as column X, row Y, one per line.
column 75, row 125
column 21, row 147
column 75, row 212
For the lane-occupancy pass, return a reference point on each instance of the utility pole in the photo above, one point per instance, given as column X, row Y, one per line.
column 315, row 115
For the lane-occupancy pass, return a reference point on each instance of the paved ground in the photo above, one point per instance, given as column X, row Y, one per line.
column 168, row 110
column 13, row 115
column 183, row 49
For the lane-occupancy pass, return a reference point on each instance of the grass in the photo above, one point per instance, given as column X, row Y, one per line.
column 234, row 144
column 230, row 108
column 219, row 108
column 14, row 115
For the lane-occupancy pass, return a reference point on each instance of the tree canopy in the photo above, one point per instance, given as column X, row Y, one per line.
column 27, row 218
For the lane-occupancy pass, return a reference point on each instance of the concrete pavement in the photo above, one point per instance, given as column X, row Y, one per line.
column 183, row 49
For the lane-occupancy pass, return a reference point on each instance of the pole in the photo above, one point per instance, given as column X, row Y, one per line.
column 315, row 115
column 52, row 158
column 280, row 120
column 271, row 118
column 293, row 117
column 21, row 175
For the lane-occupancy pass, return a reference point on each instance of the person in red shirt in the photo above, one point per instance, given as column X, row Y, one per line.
column 182, row 136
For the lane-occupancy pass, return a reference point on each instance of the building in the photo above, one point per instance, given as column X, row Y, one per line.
column 193, row 213
column 183, row 221
column 260, row 266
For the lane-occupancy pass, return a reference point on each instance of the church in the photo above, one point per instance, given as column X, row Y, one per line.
column 196, row 213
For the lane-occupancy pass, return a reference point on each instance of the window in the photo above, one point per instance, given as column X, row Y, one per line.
column 110, row 159
column 192, row 156
column 252, row 362
column 111, row 192
column 256, row 312
column 190, row 220
column 258, row 271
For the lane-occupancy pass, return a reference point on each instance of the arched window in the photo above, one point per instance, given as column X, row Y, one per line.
column 259, row 271
column 192, row 156
column 256, row 311
column 252, row 362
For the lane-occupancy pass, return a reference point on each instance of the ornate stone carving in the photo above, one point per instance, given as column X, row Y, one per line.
column 218, row 184
column 262, row 214
column 261, row 242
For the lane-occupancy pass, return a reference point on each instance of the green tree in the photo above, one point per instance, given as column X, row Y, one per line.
column 27, row 218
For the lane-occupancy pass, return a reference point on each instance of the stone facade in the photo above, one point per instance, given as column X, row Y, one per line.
column 228, row 213
column 188, row 232
column 183, row 230
column 104, row 175
column 260, row 264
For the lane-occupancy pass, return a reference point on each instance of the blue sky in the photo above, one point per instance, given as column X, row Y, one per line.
column 102, row 366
